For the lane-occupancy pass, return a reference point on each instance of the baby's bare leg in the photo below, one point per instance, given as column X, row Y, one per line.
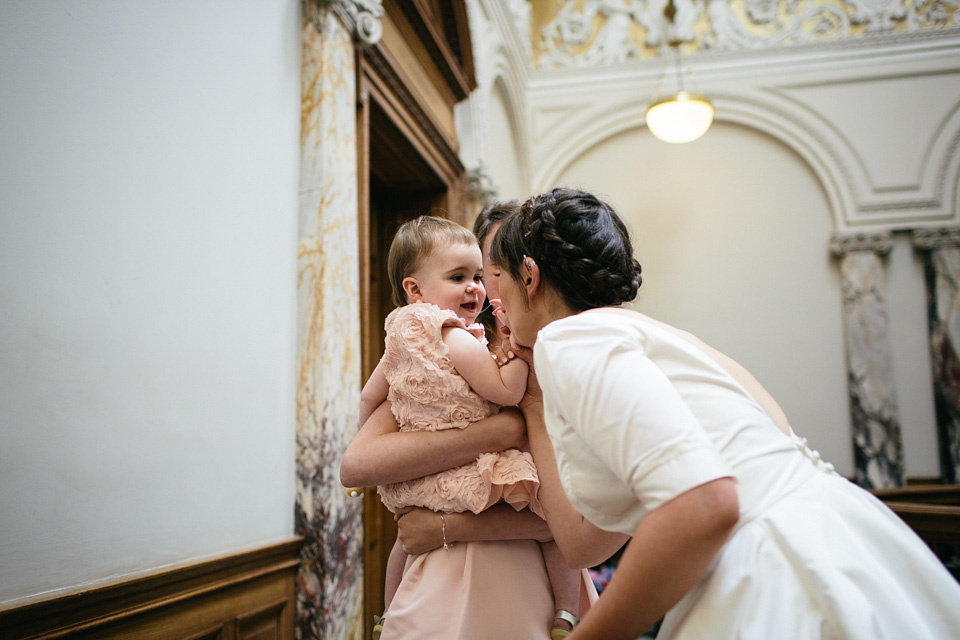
column 564, row 581
column 395, row 564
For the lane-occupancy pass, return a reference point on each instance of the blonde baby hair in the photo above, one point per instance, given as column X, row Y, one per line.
column 415, row 240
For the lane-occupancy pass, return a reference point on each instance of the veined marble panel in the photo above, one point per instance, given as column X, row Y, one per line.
column 942, row 266
column 330, row 580
column 878, row 443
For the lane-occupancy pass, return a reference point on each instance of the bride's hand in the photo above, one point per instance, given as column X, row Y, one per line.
column 533, row 398
column 503, row 322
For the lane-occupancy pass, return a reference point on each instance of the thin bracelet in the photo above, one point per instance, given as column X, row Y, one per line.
column 443, row 532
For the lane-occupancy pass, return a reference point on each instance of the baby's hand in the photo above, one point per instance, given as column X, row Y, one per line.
column 503, row 355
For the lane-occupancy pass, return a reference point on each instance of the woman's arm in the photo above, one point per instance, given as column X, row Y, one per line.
column 421, row 530
column 582, row 543
column 374, row 393
column 380, row 453
column 670, row 550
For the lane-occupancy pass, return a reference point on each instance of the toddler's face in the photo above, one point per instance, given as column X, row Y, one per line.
column 450, row 277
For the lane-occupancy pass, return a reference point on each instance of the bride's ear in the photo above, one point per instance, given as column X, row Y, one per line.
column 532, row 273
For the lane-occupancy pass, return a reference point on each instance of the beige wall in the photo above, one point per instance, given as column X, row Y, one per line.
column 736, row 252
column 846, row 135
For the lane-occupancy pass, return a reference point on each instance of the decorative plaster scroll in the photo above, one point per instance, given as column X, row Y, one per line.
column 594, row 32
column 935, row 13
column 362, row 17
column 764, row 26
column 928, row 239
column 572, row 39
column 879, row 243
column 659, row 30
column 878, row 15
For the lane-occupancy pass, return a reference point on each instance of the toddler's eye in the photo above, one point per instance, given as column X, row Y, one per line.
column 456, row 278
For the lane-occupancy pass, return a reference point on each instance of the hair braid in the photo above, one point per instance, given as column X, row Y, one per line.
column 581, row 245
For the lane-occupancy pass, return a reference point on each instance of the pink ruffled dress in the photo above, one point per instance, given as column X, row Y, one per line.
column 427, row 394
column 476, row 590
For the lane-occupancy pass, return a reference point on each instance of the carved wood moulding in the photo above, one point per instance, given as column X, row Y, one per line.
column 243, row 594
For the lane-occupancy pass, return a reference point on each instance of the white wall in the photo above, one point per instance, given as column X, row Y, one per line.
column 148, row 198
column 502, row 138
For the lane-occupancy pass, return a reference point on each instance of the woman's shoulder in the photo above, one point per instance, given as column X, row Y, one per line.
column 597, row 325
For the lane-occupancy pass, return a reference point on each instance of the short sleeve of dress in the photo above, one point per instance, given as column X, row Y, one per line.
column 416, row 328
column 626, row 411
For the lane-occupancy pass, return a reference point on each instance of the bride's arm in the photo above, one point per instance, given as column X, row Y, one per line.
column 582, row 543
column 381, row 454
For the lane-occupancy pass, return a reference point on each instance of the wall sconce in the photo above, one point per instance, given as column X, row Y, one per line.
column 685, row 115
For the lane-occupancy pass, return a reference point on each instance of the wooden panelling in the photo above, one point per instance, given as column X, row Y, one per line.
column 935, row 523
column 248, row 595
column 933, row 512
column 928, row 494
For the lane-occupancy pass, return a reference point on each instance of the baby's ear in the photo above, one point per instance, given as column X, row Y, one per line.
column 412, row 288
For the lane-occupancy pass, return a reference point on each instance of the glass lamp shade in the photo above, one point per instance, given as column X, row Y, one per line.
column 680, row 118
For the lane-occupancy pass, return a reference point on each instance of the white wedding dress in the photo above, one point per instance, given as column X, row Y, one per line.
column 638, row 413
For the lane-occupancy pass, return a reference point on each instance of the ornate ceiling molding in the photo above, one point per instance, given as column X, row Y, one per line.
column 599, row 32
column 840, row 106
column 929, row 239
column 880, row 243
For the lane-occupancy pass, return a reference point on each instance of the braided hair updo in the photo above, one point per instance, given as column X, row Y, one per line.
column 579, row 242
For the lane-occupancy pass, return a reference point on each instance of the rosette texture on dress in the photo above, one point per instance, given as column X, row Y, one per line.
column 427, row 394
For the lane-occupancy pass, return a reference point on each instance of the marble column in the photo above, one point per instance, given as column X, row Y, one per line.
column 877, row 440
column 330, row 579
column 941, row 251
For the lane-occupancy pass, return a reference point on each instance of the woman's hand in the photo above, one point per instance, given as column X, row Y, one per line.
column 533, row 398
column 420, row 530
column 503, row 354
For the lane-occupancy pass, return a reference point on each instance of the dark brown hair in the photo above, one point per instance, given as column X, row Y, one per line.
column 488, row 218
column 579, row 242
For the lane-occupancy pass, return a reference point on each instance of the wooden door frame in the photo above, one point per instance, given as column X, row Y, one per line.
column 378, row 86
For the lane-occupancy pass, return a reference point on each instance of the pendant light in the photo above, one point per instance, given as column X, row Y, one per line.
column 685, row 115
